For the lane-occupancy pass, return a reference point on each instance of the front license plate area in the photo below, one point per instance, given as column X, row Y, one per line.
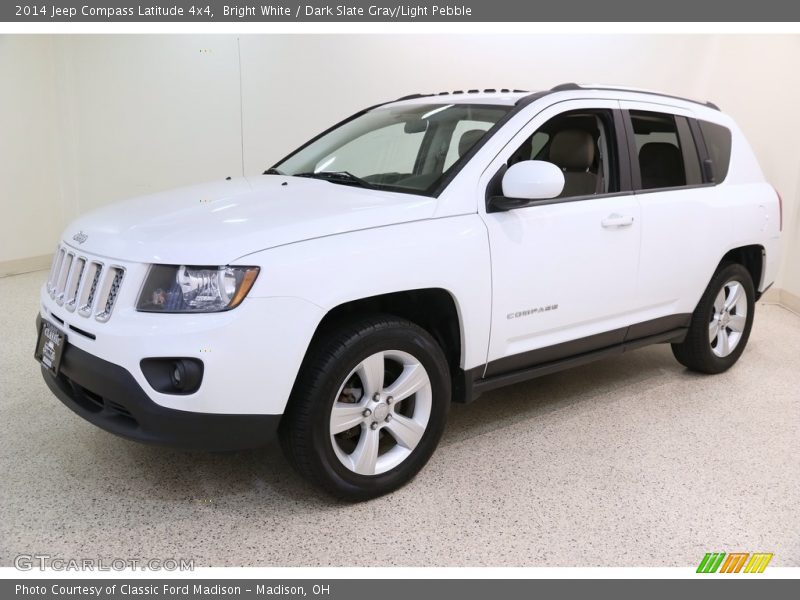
column 50, row 347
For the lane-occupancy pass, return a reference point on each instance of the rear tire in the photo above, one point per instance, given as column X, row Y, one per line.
column 368, row 407
column 721, row 323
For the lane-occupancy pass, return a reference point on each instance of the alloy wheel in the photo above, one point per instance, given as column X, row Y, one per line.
column 381, row 412
column 729, row 319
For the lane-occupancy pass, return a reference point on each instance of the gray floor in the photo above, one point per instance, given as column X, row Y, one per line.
column 627, row 462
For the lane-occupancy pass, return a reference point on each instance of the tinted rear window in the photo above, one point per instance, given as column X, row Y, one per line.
column 718, row 143
column 665, row 147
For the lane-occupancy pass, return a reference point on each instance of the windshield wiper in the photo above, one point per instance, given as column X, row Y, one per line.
column 343, row 177
column 273, row 171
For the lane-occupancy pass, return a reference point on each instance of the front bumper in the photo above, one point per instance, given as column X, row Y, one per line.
column 251, row 355
column 109, row 397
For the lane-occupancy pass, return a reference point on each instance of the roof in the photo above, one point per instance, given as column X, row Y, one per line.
column 574, row 87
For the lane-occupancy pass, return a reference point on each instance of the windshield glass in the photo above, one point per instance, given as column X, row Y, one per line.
column 397, row 148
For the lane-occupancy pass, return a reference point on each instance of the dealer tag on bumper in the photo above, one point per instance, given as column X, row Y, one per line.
column 50, row 346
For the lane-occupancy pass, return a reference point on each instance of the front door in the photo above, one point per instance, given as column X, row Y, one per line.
column 564, row 271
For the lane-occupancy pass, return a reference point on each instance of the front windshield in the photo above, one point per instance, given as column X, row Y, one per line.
column 398, row 148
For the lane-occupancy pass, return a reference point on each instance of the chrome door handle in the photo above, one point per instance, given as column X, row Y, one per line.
column 615, row 221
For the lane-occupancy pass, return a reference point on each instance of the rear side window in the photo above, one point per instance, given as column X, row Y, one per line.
column 718, row 144
column 666, row 150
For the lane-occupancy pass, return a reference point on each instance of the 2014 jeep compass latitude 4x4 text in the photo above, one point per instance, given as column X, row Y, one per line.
column 421, row 252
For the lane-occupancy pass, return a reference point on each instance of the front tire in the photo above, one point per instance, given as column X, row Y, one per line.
column 368, row 407
column 721, row 323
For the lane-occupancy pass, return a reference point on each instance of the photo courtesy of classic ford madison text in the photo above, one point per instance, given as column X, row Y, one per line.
column 421, row 252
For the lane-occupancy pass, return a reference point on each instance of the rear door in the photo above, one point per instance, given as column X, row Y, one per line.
column 681, row 228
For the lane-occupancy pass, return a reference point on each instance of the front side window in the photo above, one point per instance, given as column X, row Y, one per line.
column 408, row 148
column 582, row 144
column 667, row 154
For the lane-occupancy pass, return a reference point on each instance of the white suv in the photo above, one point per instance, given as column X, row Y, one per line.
column 419, row 253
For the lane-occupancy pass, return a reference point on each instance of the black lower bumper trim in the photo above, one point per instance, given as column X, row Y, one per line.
column 109, row 397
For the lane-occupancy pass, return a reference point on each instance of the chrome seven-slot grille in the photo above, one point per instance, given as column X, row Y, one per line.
column 84, row 285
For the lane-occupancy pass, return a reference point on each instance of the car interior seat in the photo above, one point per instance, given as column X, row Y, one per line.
column 661, row 165
column 573, row 151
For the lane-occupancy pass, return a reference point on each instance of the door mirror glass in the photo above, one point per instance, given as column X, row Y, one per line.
column 533, row 180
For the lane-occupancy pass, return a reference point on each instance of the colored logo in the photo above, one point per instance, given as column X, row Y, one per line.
column 735, row 562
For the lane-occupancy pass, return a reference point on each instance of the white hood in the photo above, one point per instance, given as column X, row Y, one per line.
column 218, row 222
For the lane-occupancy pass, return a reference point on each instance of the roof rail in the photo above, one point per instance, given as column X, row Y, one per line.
column 525, row 100
column 568, row 87
column 459, row 92
column 413, row 97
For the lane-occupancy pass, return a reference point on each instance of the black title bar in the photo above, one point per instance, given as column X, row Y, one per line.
column 386, row 10
column 699, row 588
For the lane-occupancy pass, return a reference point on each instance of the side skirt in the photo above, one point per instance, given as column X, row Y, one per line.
column 472, row 383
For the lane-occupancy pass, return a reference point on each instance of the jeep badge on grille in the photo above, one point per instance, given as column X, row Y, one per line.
column 80, row 237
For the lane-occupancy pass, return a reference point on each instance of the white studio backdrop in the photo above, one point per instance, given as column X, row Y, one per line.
column 89, row 119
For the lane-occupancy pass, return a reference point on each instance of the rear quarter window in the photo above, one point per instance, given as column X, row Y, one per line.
column 718, row 144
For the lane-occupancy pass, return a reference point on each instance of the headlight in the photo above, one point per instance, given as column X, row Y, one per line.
column 182, row 289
